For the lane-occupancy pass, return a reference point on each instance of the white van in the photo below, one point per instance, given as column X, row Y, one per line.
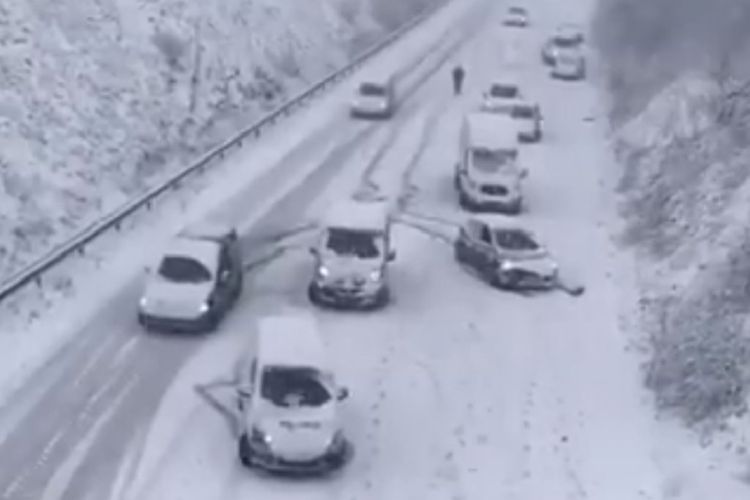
column 352, row 256
column 289, row 401
column 487, row 175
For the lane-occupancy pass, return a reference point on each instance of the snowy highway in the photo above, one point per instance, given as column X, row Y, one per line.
column 459, row 391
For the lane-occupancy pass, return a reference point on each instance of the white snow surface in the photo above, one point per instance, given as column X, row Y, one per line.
column 460, row 391
column 101, row 99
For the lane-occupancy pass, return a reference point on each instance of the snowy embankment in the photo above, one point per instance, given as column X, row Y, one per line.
column 682, row 141
column 102, row 99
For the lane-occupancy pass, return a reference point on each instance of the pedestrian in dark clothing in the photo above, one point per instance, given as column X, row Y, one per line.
column 458, row 79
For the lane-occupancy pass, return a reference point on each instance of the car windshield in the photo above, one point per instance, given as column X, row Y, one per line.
column 288, row 387
column 504, row 91
column 515, row 239
column 182, row 269
column 372, row 89
column 522, row 111
column 488, row 160
column 566, row 41
column 360, row 244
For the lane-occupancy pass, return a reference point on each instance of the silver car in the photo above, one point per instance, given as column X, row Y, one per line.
column 374, row 99
column 505, row 254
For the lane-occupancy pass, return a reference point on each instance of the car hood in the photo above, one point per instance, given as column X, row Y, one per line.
column 167, row 298
column 299, row 433
column 349, row 267
column 538, row 262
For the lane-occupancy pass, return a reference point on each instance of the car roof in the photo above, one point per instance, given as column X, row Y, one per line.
column 491, row 130
column 291, row 340
column 204, row 251
column 358, row 215
column 209, row 230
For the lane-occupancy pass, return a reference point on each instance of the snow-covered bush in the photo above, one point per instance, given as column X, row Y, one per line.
column 676, row 70
column 100, row 99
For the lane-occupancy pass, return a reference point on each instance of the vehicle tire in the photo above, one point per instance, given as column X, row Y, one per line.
column 459, row 253
column 506, row 281
column 382, row 299
column 244, row 451
column 456, row 180
column 313, row 294
column 465, row 202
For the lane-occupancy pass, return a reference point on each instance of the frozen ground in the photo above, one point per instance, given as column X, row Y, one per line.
column 100, row 99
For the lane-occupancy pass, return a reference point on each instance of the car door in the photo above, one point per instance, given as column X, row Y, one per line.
column 224, row 279
column 474, row 252
column 486, row 258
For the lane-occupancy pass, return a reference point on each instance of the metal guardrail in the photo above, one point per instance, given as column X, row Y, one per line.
column 113, row 221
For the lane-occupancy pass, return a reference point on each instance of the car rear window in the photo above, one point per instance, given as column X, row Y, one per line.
column 372, row 89
column 289, row 387
column 504, row 91
column 515, row 239
column 522, row 111
column 182, row 269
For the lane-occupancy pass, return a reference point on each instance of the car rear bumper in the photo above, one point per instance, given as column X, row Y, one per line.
column 371, row 113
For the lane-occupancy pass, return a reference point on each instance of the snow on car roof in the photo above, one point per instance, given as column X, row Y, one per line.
column 491, row 131
column 358, row 215
column 212, row 229
column 290, row 340
column 204, row 251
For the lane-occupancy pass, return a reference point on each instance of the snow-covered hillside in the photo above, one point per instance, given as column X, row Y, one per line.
column 683, row 143
column 99, row 98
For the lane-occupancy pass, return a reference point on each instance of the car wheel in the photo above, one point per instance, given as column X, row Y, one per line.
column 313, row 294
column 506, row 281
column 382, row 299
column 465, row 202
column 244, row 451
column 459, row 252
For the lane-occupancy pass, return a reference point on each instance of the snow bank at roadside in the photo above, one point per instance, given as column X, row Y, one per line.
column 101, row 99
column 685, row 192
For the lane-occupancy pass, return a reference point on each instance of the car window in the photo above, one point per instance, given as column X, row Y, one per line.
column 288, row 387
column 515, row 239
column 503, row 91
column 488, row 160
column 372, row 89
column 361, row 244
column 183, row 269
column 522, row 111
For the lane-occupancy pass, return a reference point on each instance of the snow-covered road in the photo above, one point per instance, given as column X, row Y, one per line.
column 459, row 391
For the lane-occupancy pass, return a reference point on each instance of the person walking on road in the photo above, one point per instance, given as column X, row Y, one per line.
column 458, row 79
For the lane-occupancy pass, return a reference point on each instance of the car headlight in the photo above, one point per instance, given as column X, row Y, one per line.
column 337, row 441
column 506, row 265
column 258, row 436
column 143, row 303
column 376, row 275
column 323, row 271
column 204, row 307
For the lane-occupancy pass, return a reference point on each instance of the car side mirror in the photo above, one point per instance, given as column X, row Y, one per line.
column 391, row 256
column 224, row 276
column 314, row 251
column 524, row 173
column 342, row 394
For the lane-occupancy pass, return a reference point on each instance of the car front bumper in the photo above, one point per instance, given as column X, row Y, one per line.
column 347, row 296
column 331, row 460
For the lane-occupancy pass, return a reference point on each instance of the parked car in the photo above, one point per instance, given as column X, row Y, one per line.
column 502, row 96
column 196, row 282
column 569, row 64
column 529, row 118
column 375, row 98
column 567, row 36
column 505, row 254
column 289, row 401
column 517, row 17
column 352, row 256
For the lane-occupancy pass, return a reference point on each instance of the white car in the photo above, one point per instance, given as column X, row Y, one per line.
column 567, row 36
column 352, row 256
column 501, row 97
column 198, row 279
column 528, row 116
column 505, row 253
column 374, row 98
column 517, row 17
column 289, row 401
column 569, row 64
